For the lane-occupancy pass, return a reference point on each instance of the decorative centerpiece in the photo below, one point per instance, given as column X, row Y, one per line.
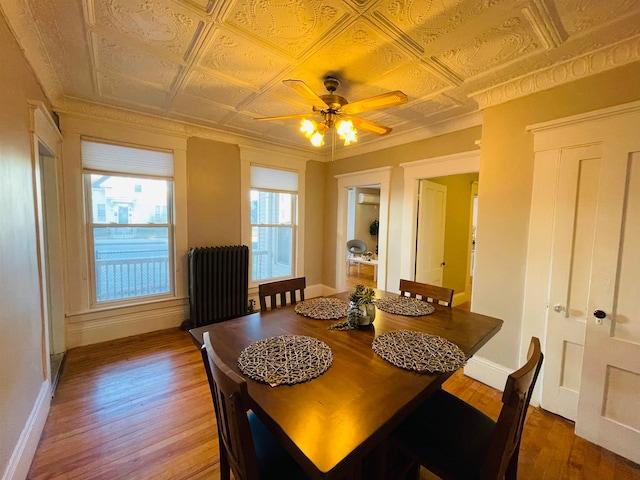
column 362, row 307
column 361, row 310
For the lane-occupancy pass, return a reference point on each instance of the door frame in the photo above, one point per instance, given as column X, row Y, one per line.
column 376, row 176
column 455, row 164
column 47, row 142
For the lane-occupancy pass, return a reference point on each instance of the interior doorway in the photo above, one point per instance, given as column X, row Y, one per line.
column 457, row 172
column 363, row 220
column 52, row 267
column 379, row 177
column 47, row 141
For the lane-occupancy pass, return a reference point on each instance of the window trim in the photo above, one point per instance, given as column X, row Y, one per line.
column 272, row 159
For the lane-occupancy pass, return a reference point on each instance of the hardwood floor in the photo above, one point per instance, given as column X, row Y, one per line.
column 365, row 277
column 140, row 408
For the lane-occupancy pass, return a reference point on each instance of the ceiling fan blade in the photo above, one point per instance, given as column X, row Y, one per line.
column 285, row 117
column 369, row 126
column 305, row 92
column 385, row 100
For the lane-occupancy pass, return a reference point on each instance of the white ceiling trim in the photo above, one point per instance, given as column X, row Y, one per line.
column 81, row 109
column 20, row 20
column 606, row 58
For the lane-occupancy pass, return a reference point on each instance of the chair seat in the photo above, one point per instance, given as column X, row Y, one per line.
column 274, row 462
column 448, row 436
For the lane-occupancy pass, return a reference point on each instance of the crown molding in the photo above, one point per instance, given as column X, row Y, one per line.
column 89, row 110
column 606, row 58
column 469, row 120
column 24, row 29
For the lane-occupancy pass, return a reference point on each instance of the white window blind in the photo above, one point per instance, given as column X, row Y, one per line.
column 106, row 157
column 274, row 179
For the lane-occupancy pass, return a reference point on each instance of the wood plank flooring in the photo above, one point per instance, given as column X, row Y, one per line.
column 365, row 277
column 140, row 408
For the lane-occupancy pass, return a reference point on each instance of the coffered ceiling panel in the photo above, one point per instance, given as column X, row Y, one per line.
column 111, row 55
column 241, row 59
column 165, row 25
column 292, row 27
column 221, row 64
column 501, row 44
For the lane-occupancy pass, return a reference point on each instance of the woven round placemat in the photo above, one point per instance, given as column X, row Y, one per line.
column 419, row 351
column 408, row 306
column 322, row 308
column 285, row 359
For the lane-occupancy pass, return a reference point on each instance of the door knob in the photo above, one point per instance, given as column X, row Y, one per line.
column 559, row 308
column 599, row 314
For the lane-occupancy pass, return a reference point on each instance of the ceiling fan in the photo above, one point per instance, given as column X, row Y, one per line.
column 336, row 111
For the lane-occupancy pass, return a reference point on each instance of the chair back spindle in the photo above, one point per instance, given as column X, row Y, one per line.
column 426, row 292
column 294, row 286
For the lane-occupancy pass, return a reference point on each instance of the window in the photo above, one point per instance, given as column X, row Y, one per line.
column 130, row 234
column 274, row 203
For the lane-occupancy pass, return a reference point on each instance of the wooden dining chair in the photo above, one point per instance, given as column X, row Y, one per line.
column 428, row 293
column 455, row 441
column 247, row 447
column 274, row 289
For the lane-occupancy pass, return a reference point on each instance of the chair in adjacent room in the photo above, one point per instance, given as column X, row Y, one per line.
column 428, row 293
column 274, row 289
column 247, row 447
column 456, row 441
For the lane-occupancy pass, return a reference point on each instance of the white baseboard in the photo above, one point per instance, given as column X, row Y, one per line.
column 25, row 449
column 120, row 326
column 487, row 372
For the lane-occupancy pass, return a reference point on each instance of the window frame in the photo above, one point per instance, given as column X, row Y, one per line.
column 262, row 157
column 293, row 226
column 89, row 236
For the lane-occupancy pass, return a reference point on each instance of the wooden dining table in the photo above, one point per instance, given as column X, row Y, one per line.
column 334, row 424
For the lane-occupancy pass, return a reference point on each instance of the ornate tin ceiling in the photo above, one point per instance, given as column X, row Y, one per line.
column 220, row 64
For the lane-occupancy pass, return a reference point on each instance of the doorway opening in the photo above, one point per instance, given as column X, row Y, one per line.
column 363, row 221
column 456, row 179
column 47, row 170
column 378, row 178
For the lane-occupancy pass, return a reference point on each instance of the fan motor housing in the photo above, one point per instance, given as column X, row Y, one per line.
column 335, row 102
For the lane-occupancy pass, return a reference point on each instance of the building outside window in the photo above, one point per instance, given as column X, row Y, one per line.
column 274, row 203
column 129, row 222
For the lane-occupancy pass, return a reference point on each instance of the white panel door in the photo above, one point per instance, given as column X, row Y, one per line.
column 432, row 205
column 610, row 384
column 578, row 172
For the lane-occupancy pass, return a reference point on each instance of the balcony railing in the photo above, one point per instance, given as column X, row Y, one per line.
column 129, row 278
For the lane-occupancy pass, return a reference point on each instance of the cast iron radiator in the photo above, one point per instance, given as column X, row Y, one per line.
column 218, row 283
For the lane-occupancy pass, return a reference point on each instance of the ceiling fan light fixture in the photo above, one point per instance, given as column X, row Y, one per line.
column 317, row 139
column 347, row 132
column 308, row 127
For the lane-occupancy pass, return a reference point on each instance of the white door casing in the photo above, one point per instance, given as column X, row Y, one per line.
column 376, row 176
column 593, row 269
column 432, row 206
column 454, row 164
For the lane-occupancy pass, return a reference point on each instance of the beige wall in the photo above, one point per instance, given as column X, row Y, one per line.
column 21, row 363
column 504, row 196
column 214, row 201
column 314, row 218
column 457, row 229
column 213, row 189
